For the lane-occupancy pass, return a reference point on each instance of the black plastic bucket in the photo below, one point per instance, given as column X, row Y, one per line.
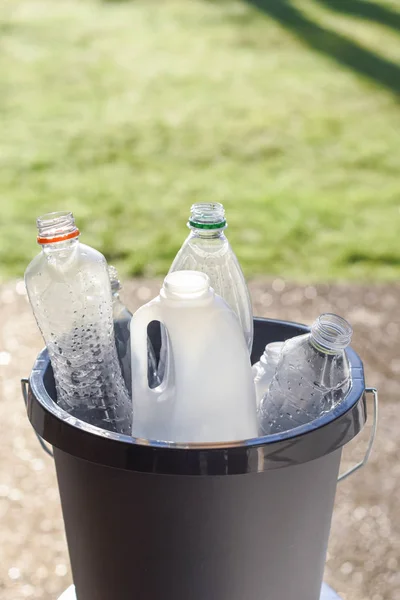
column 149, row 520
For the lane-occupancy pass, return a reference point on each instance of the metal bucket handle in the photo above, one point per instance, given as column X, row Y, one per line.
column 373, row 391
column 372, row 436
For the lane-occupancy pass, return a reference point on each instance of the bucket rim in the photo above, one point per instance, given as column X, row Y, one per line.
column 322, row 436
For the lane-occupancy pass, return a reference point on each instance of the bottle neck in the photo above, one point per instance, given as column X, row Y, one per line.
column 207, row 220
column 119, row 308
column 207, row 234
column 65, row 246
column 272, row 353
column 114, row 280
column 330, row 334
column 56, row 228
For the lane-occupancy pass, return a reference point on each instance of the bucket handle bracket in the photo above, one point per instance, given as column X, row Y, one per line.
column 371, row 440
column 24, row 387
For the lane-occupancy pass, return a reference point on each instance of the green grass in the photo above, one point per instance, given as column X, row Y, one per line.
column 127, row 112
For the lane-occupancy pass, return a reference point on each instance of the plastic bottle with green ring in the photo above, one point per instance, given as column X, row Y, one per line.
column 208, row 250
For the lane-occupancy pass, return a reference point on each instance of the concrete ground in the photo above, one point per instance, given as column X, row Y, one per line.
column 364, row 551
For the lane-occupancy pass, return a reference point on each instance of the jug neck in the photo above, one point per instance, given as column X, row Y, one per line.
column 57, row 231
column 207, row 220
column 188, row 287
column 330, row 334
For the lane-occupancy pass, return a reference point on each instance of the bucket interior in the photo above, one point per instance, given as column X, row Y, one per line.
column 277, row 331
column 312, row 440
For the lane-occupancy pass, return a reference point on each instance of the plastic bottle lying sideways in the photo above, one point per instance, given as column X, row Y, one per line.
column 264, row 369
column 312, row 376
column 70, row 294
column 207, row 393
column 122, row 324
column 207, row 249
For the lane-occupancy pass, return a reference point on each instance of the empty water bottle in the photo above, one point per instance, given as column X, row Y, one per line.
column 122, row 324
column 70, row 294
column 207, row 249
column 264, row 369
column 312, row 376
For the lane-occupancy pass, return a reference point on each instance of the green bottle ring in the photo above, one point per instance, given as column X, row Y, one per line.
column 197, row 225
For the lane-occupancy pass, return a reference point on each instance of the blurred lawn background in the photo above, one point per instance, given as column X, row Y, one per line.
column 126, row 112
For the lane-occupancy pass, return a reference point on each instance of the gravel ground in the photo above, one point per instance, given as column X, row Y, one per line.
column 364, row 551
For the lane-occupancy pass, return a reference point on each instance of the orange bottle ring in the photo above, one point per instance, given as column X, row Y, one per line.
column 60, row 238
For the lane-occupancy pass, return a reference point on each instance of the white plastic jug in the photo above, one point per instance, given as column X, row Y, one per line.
column 207, row 394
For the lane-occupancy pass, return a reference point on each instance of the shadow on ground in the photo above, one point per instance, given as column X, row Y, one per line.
column 332, row 44
column 335, row 45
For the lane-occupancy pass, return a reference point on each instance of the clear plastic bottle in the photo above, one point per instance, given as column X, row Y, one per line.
column 312, row 376
column 122, row 324
column 70, row 294
column 207, row 249
column 264, row 369
column 207, row 394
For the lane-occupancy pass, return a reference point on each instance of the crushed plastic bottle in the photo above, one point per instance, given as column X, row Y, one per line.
column 70, row 294
column 122, row 324
column 313, row 375
column 264, row 369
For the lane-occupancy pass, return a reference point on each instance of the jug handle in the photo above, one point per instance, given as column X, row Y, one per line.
column 139, row 323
